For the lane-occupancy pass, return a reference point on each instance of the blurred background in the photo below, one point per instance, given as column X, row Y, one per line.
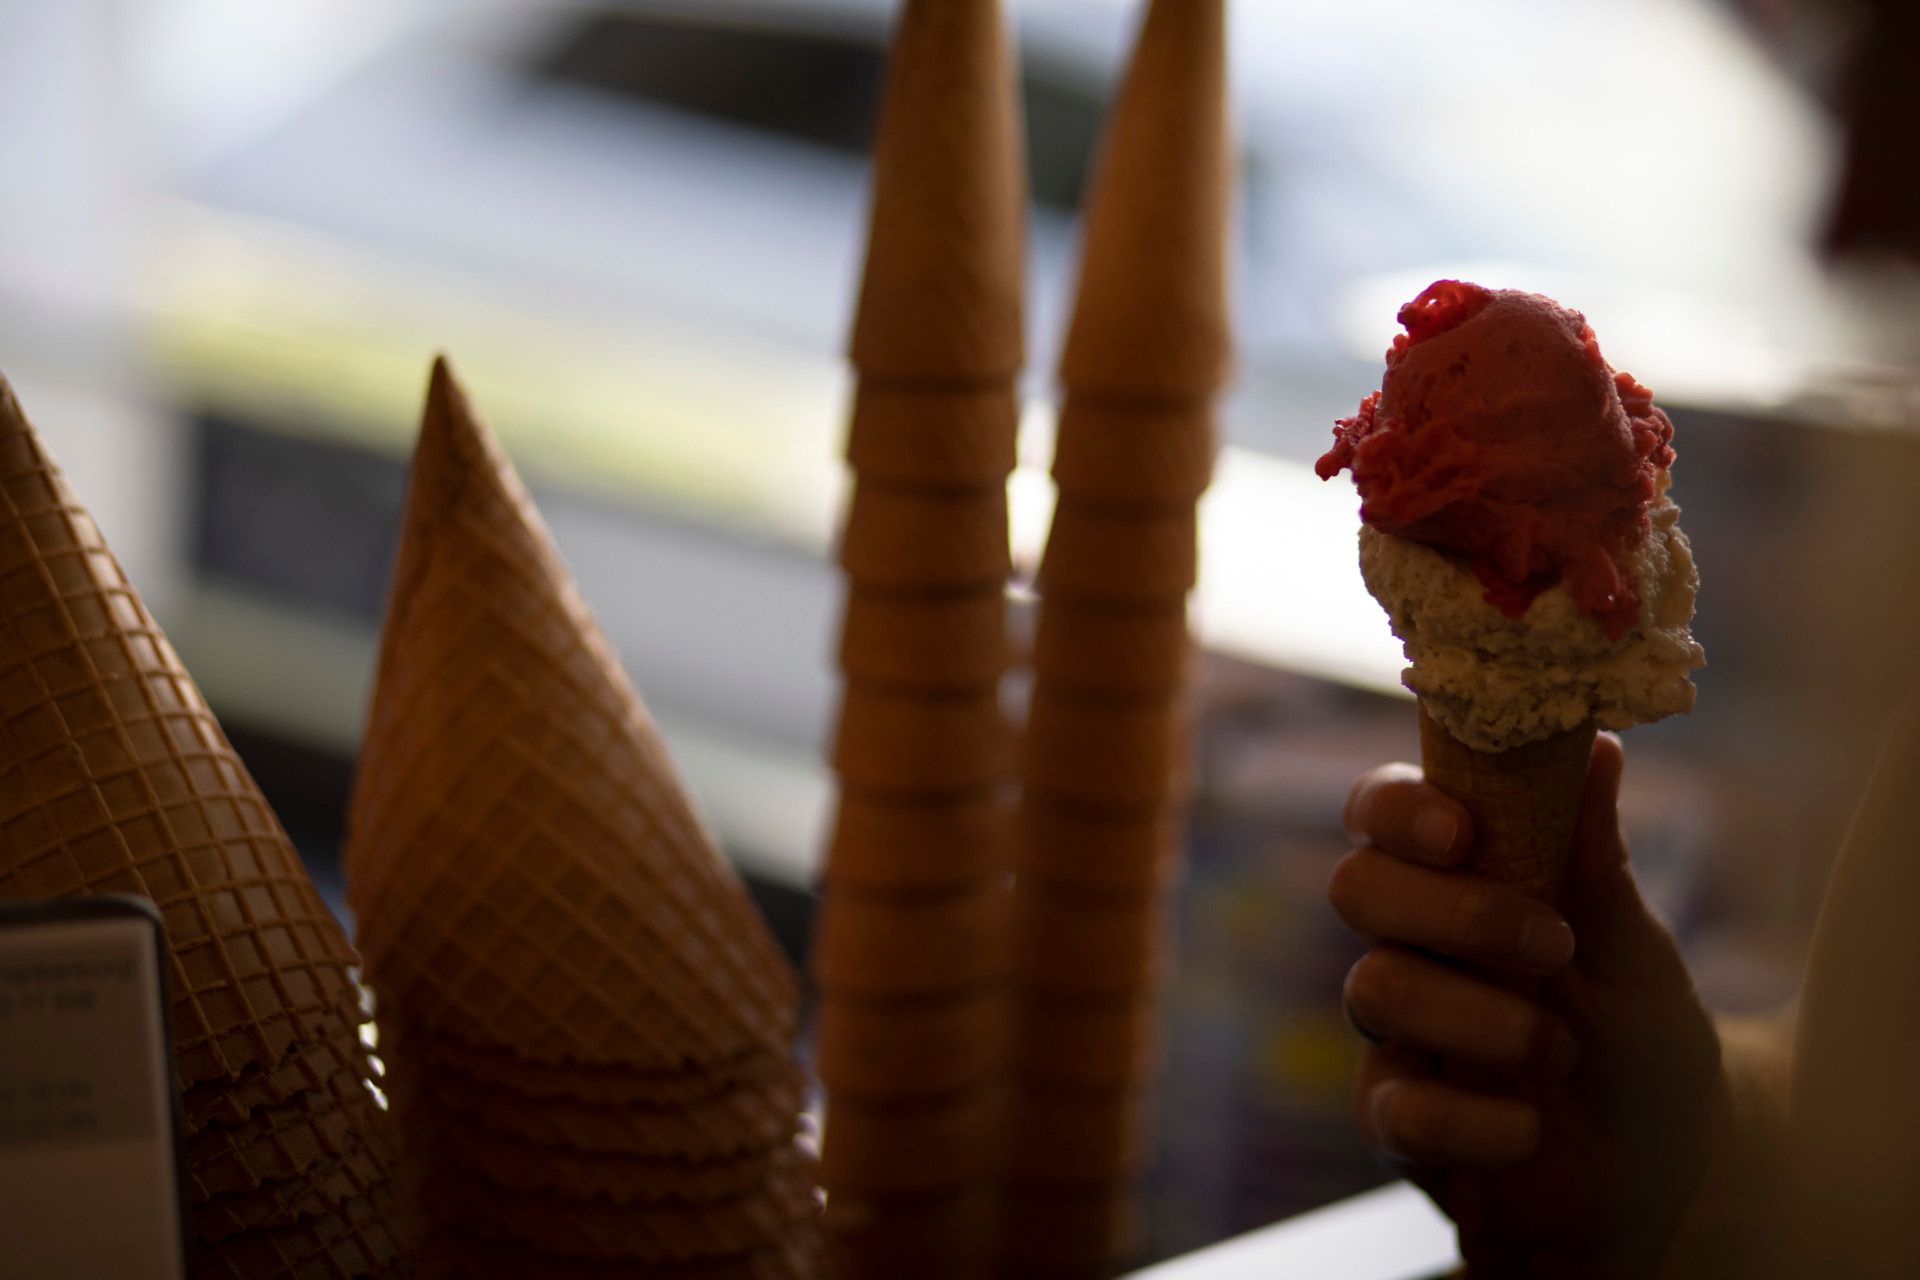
column 232, row 235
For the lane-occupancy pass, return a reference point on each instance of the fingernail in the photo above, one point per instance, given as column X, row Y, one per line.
column 1378, row 1107
column 1434, row 828
column 1546, row 944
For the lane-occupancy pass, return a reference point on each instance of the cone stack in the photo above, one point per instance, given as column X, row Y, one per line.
column 908, row 947
column 116, row 778
column 1105, row 772
column 587, row 1026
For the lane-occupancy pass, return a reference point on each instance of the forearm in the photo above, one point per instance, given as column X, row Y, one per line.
column 1728, row 1229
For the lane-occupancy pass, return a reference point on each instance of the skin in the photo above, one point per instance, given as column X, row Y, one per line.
column 1551, row 1081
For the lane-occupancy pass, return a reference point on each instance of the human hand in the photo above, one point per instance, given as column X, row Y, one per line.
column 1550, row 1080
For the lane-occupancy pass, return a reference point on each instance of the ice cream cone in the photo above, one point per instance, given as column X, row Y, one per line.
column 1070, row 944
column 731, row 1122
column 940, row 299
column 597, row 1086
column 911, row 1147
column 913, row 745
column 915, row 846
column 918, row 540
column 889, row 946
column 354, row 1242
column 1112, row 652
column 638, row 1233
column 903, row 1049
column 1071, row 1232
column 117, row 778
column 458, row 1255
column 945, row 439
column 524, row 865
column 1078, row 1135
column 1101, row 555
column 1134, row 454
column 1116, row 757
column 925, row 643
column 287, row 1142
column 1091, row 1042
column 1077, row 851
column 942, row 1236
column 1150, row 320
column 1524, row 802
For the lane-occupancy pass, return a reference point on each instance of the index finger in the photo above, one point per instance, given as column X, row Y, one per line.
column 1395, row 809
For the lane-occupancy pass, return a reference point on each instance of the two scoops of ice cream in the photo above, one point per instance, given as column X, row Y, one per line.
column 1517, row 528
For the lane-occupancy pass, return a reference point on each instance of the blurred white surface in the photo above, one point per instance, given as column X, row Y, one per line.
column 1391, row 1233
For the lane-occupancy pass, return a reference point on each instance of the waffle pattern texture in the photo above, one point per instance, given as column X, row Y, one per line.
column 586, row 1025
column 909, row 946
column 1104, row 772
column 116, row 778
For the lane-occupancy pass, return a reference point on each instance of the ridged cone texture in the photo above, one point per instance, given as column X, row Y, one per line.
column 940, row 300
column 1150, row 319
column 1524, row 802
column 586, row 1023
column 115, row 777
column 523, row 863
column 1106, row 748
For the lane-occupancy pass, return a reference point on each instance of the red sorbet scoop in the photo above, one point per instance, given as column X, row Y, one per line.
column 1499, row 435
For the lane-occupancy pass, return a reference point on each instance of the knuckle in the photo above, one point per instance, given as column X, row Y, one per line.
column 1346, row 887
column 1477, row 917
column 1373, row 989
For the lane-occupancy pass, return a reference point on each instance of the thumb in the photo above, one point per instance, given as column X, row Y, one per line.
column 1618, row 936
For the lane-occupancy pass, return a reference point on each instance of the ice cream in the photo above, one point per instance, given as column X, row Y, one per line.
column 1517, row 529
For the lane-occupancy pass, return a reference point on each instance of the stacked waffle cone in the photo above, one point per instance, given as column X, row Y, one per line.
column 116, row 778
column 586, row 1025
column 908, row 947
column 1104, row 774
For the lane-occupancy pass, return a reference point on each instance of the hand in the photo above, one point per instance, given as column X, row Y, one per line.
column 1552, row 1082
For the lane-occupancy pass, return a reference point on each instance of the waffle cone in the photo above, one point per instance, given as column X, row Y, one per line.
column 1524, row 802
column 524, row 865
column 916, row 745
column 1107, row 652
column 308, row 1065
column 637, row 1232
column 946, row 439
column 353, row 1174
column 1072, row 944
column 729, row 1123
column 1079, row 1135
column 1134, row 454
column 923, row 541
column 940, row 299
column 915, row 847
column 584, row 1175
column 116, row 778
column 1102, row 555
column 1150, row 320
column 597, row 1086
column 1088, row 1042
column 286, row 1142
column 1063, row 1233
column 1115, row 757
column 891, row 1051
column 457, row 1255
column 925, row 643
column 354, row 1242
column 1067, row 851
column 887, row 946
column 911, row 1147
column 943, row 1236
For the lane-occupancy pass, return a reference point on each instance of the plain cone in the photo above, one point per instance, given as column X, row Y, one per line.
column 524, row 866
column 1524, row 802
column 116, row 778
column 1150, row 321
column 940, row 300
